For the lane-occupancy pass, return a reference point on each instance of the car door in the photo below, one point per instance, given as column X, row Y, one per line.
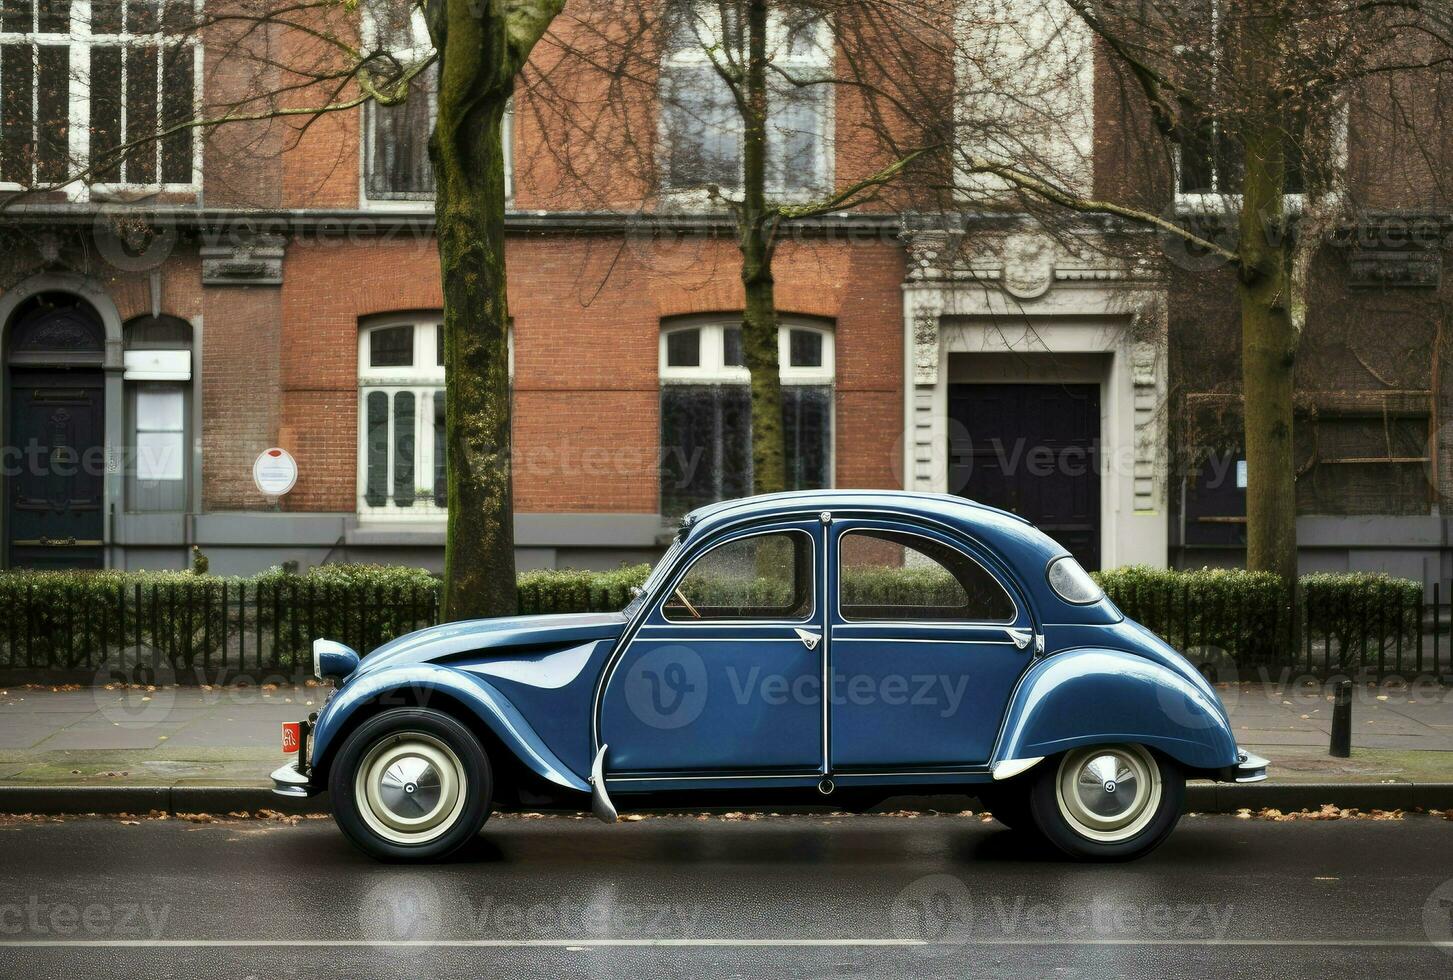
column 926, row 645
column 724, row 674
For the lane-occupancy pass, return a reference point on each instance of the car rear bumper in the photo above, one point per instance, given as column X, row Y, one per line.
column 1248, row 769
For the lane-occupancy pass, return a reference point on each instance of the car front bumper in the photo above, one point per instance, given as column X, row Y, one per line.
column 295, row 779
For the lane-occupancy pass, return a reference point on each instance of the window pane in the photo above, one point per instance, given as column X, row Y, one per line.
column 399, row 161
column 805, row 349
column 106, row 110
column 794, row 136
column 142, row 16
column 732, row 347
column 734, row 441
column 441, row 457
column 888, row 575
column 404, row 484
column 16, row 16
column 159, row 409
column 689, row 462
column 52, row 105
column 106, row 16
column 807, row 436
column 53, row 16
column 768, row 576
column 391, row 347
column 17, row 78
column 159, row 456
column 176, row 148
column 376, row 482
column 703, row 128
column 141, row 114
column 683, row 348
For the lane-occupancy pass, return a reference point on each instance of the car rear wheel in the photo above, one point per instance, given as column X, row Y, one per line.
column 1108, row 802
column 411, row 784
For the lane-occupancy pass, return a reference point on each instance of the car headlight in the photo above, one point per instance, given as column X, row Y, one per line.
column 332, row 659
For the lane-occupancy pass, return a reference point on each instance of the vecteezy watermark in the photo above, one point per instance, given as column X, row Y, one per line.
column 944, row 692
column 122, row 920
column 414, row 908
column 939, row 910
column 667, row 687
column 1438, row 915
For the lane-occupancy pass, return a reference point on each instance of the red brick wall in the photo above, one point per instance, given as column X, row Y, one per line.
column 587, row 312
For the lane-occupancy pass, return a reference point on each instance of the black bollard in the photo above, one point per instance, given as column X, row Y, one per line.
column 1342, row 722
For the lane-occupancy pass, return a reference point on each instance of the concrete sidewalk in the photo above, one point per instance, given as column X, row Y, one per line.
column 227, row 738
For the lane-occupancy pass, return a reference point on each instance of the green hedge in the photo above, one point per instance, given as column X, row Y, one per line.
column 187, row 621
column 1343, row 620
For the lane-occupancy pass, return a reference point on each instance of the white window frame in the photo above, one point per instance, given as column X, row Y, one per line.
column 1215, row 201
column 422, row 48
column 818, row 63
column 425, row 380
column 712, row 367
column 80, row 42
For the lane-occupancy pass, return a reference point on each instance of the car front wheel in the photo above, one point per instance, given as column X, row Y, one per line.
column 410, row 784
column 1108, row 802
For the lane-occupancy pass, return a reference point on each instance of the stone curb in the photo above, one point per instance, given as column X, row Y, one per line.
column 1200, row 798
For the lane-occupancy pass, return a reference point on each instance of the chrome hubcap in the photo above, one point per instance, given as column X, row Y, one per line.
column 1109, row 793
column 410, row 788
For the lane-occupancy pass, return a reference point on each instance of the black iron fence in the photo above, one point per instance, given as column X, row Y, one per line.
column 193, row 628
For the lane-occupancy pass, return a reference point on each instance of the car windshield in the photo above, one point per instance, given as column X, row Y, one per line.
column 654, row 579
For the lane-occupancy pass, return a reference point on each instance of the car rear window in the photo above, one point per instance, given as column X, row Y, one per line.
column 1072, row 583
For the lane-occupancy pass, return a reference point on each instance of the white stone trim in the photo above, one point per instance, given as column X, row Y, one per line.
column 1023, row 295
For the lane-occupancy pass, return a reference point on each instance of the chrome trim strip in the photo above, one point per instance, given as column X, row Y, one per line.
column 904, row 639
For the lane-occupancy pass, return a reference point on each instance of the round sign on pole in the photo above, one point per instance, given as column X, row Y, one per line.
column 274, row 472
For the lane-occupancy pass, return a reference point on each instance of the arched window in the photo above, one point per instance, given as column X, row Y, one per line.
column 158, row 375
column 402, row 466
column 706, row 411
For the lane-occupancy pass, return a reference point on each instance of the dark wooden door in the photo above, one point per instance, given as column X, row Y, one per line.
column 1033, row 449
column 54, row 476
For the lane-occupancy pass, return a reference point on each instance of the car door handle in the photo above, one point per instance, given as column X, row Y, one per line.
column 1021, row 638
column 808, row 638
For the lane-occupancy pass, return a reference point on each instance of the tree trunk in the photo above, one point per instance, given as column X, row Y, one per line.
column 468, row 158
column 1268, row 358
column 756, row 234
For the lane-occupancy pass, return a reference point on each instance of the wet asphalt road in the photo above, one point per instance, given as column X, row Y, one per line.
column 681, row 897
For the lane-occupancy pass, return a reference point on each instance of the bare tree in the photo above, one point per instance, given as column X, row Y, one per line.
column 724, row 106
column 289, row 63
column 1246, row 103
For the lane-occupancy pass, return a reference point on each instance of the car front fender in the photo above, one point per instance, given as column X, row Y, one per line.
column 1096, row 696
column 478, row 696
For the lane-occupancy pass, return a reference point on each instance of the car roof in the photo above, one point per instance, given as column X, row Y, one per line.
column 1017, row 542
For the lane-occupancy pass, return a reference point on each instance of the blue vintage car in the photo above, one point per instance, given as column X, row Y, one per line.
column 837, row 647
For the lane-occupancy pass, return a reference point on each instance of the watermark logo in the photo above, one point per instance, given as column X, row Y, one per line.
column 118, row 920
column 936, row 910
column 137, row 696
column 1438, row 915
column 405, row 908
column 667, row 687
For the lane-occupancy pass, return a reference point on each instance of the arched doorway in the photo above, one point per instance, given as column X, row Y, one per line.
column 55, row 464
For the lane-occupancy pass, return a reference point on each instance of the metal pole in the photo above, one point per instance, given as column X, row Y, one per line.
column 1342, row 722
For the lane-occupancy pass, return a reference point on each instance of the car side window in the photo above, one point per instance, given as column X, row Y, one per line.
column 892, row 576
column 762, row 576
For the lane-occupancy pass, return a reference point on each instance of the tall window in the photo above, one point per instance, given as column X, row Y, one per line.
column 401, row 418
column 1210, row 158
column 396, row 138
column 701, row 126
column 402, row 465
column 706, row 412
column 158, row 376
column 138, row 62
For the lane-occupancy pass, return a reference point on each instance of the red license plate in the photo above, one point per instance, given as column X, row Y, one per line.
column 292, row 735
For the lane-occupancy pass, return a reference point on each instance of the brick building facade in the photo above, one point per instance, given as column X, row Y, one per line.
column 287, row 294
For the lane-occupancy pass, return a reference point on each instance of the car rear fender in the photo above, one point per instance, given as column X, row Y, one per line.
column 1092, row 696
column 412, row 685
